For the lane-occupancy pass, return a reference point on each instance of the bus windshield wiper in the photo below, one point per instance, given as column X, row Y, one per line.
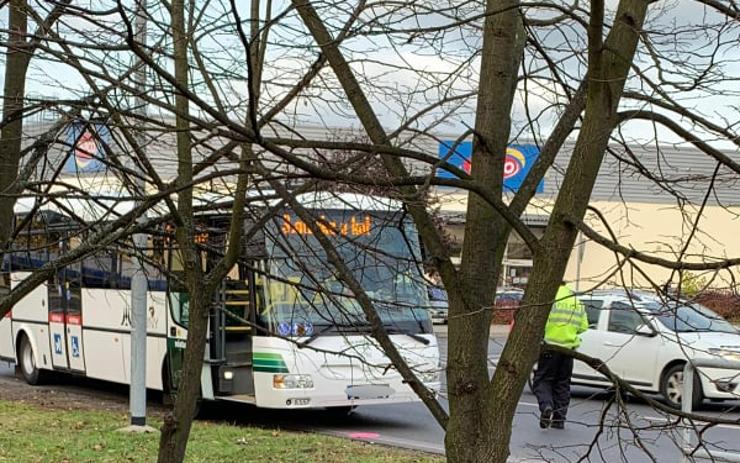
column 395, row 330
column 315, row 335
column 326, row 328
column 390, row 328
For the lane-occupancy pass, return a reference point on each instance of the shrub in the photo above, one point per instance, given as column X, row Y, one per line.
column 725, row 303
column 692, row 284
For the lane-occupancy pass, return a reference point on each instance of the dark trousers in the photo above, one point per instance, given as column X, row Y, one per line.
column 551, row 383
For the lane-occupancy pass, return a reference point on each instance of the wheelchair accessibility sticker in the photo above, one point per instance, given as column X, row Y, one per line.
column 58, row 344
column 75, row 341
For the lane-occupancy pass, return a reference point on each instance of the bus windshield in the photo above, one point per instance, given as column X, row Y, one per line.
column 304, row 293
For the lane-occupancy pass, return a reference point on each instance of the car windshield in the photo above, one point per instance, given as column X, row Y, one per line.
column 684, row 317
column 437, row 294
column 305, row 293
column 509, row 297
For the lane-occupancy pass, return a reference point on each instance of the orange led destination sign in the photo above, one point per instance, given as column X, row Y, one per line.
column 352, row 227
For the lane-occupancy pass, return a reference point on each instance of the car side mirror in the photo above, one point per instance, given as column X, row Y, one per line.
column 646, row 330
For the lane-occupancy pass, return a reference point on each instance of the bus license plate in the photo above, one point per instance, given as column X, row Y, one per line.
column 369, row 391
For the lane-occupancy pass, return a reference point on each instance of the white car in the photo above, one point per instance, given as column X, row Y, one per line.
column 438, row 305
column 646, row 341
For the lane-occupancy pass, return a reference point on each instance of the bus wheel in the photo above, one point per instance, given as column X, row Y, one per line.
column 27, row 362
column 169, row 394
column 341, row 412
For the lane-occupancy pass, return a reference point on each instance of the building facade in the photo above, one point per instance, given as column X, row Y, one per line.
column 665, row 200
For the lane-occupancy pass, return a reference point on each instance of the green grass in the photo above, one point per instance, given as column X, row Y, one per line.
column 29, row 433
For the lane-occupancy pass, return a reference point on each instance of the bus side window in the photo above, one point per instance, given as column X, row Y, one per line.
column 156, row 264
column 178, row 296
column 97, row 271
column 180, row 303
column 125, row 270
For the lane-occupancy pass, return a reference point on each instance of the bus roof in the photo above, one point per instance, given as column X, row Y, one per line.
column 108, row 205
column 87, row 210
column 347, row 201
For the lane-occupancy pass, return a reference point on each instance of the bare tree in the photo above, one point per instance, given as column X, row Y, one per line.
column 20, row 47
column 580, row 73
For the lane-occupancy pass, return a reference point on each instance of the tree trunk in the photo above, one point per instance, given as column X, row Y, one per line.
column 16, row 66
column 470, row 428
column 177, row 424
column 176, row 428
column 609, row 66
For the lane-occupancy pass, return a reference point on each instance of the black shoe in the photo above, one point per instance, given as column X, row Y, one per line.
column 546, row 418
column 558, row 424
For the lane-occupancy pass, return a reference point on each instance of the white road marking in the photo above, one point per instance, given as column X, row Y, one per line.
column 669, row 421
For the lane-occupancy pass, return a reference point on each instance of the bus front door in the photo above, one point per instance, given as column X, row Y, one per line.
column 73, row 322
column 65, row 321
column 57, row 325
column 236, row 330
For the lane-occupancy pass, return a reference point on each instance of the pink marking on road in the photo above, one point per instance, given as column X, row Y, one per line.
column 364, row 435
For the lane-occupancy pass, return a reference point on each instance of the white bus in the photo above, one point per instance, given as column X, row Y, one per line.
column 285, row 332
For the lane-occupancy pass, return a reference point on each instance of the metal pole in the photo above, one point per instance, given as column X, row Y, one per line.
column 137, row 391
column 579, row 258
column 686, row 394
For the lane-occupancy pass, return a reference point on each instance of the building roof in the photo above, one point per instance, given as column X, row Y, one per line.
column 685, row 171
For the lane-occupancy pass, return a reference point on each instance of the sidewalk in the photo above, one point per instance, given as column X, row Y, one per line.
column 497, row 331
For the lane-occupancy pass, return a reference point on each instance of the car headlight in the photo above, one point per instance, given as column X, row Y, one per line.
column 429, row 376
column 725, row 354
column 292, row 381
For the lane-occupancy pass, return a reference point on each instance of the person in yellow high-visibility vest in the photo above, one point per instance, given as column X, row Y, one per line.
column 551, row 383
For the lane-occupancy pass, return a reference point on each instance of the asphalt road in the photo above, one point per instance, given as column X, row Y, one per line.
column 411, row 425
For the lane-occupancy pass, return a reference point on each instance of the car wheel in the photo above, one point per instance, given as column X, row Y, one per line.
column 530, row 378
column 27, row 362
column 671, row 387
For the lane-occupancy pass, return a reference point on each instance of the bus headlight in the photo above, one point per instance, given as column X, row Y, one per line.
column 292, row 381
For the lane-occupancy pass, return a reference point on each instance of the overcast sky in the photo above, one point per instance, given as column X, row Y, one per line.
column 383, row 67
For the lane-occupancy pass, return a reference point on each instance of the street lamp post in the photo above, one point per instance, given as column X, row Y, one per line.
column 139, row 284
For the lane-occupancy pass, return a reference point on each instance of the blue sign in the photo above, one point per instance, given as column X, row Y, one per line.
column 284, row 329
column 87, row 142
column 517, row 164
column 75, row 341
column 58, row 344
column 302, row 329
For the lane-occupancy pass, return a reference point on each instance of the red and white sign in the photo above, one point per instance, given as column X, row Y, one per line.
column 513, row 163
column 86, row 149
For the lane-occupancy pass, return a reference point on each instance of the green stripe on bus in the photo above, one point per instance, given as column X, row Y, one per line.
column 266, row 355
column 276, row 363
column 268, row 362
column 270, row 369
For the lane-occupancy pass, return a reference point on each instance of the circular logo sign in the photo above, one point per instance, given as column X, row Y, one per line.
column 466, row 166
column 85, row 149
column 284, row 329
column 513, row 163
